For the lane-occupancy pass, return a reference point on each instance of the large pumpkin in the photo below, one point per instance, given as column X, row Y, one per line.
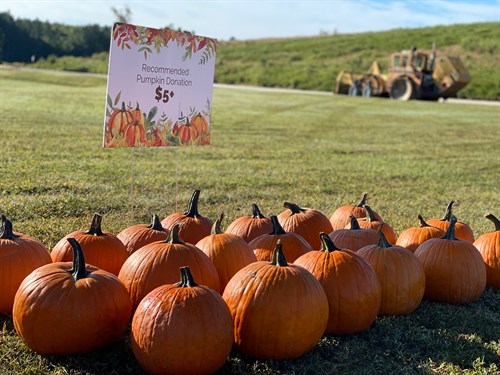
column 342, row 215
column 67, row 308
column 228, row 252
column 488, row 245
column 182, row 328
column 134, row 131
column 370, row 221
column 454, row 269
column 187, row 133
column 251, row 227
column 158, row 263
column 117, row 121
column 413, row 237
column 401, row 276
column 280, row 311
column 307, row 222
column 139, row 235
column 462, row 230
column 102, row 249
column 195, row 226
column 293, row 244
column 19, row 256
column 350, row 283
column 354, row 237
column 199, row 123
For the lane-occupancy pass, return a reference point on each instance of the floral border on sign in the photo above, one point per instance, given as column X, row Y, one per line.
column 148, row 39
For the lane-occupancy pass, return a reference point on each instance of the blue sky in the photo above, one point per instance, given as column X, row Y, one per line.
column 255, row 19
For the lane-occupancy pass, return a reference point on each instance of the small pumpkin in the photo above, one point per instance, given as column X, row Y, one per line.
column 228, row 252
column 488, row 245
column 187, row 133
column 199, row 123
column 158, row 263
column 117, row 121
column 184, row 328
column 102, row 249
column 462, row 230
column 294, row 244
column 370, row 221
column 401, row 276
column 350, row 283
column 250, row 227
column 20, row 254
column 280, row 310
column 66, row 308
column 307, row 222
column 342, row 215
column 139, row 235
column 195, row 225
column 354, row 237
column 454, row 269
column 135, row 131
column 413, row 237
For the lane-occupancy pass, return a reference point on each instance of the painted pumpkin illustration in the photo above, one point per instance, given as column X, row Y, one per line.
column 135, row 132
column 117, row 122
column 200, row 123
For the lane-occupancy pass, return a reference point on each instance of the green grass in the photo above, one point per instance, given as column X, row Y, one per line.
column 319, row 151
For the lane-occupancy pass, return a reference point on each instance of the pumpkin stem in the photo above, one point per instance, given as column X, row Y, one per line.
column 362, row 202
column 450, row 232
column 382, row 242
column 256, row 214
column 354, row 223
column 123, row 109
column 173, row 236
column 448, row 214
column 193, row 205
column 327, row 243
column 369, row 213
column 277, row 228
column 278, row 258
column 293, row 207
column 216, row 227
column 422, row 222
column 156, row 224
column 6, row 231
column 95, row 226
column 495, row 221
column 78, row 271
column 187, row 279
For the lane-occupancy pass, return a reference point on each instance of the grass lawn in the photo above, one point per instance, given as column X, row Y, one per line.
column 315, row 150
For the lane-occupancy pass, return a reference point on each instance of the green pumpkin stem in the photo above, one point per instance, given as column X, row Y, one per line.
column 382, row 242
column 362, row 202
column 278, row 258
column 422, row 222
column 495, row 221
column 448, row 214
column 187, row 279
column 369, row 213
column 217, row 226
column 277, row 228
column 78, row 271
column 173, row 236
column 450, row 232
column 354, row 223
column 327, row 243
column 293, row 207
column 256, row 214
column 193, row 205
column 156, row 224
column 95, row 226
column 6, row 231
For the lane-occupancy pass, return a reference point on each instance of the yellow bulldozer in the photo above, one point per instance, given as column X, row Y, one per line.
column 412, row 75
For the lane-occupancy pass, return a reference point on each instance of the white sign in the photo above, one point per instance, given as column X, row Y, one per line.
column 160, row 84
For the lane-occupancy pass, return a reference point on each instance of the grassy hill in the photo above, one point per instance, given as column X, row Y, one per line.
column 312, row 63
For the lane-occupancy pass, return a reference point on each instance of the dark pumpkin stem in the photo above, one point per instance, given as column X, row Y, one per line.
column 6, row 231
column 187, row 279
column 156, row 224
column 277, row 228
column 95, row 227
column 450, row 232
column 327, row 243
column 293, row 207
column 123, row 109
column 422, row 222
column 193, row 205
column 382, row 242
column 217, row 226
column 354, row 223
column 495, row 221
column 362, row 202
column 448, row 214
column 278, row 258
column 256, row 214
column 78, row 271
column 369, row 213
column 173, row 236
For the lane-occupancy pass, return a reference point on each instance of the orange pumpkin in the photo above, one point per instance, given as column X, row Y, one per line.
column 102, row 249
column 370, row 221
column 117, row 122
column 350, row 283
column 187, row 133
column 354, row 238
column 19, row 256
column 488, row 245
column 342, row 215
column 250, row 227
column 413, row 237
column 199, row 123
column 134, row 131
column 462, row 230
column 139, row 235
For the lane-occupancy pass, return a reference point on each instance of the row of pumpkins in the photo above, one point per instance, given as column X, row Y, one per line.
column 258, row 286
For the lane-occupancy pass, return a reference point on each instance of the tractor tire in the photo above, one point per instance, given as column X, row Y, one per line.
column 403, row 89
